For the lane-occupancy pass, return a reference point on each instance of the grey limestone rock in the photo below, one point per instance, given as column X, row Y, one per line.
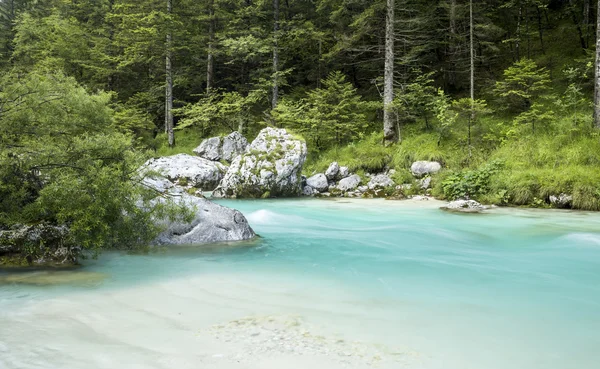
column 380, row 181
column 423, row 168
column 318, row 182
column 344, row 172
column 349, row 183
column 195, row 171
column 226, row 148
column 464, row 206
column 332, row 171
column 270, row 166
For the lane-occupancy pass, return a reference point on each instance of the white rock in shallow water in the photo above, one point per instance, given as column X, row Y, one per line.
column 465, row 206
column 271, row 164
column 197, row 172
column 211, row 223
column 332, row 171
column 380, row 181
column 422, row 168
column 349, row 183
column 318, row 182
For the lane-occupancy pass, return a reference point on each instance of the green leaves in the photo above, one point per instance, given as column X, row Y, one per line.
column 63, row 162
column 332, row 115
column 524, row 83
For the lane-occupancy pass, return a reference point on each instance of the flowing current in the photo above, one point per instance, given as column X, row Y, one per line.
column 330, row 284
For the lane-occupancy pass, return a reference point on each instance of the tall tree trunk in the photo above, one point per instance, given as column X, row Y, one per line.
column 577, row 25
column 451, row 47
column 275, row 54
column 586, row 21
column 210, row 66
column 169, row 83
column 390, row 134
column 597, row 69
column 518, row 35
column 541, row 30
column 472, row 62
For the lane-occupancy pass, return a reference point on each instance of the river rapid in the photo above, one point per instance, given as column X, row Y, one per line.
column 329, row 284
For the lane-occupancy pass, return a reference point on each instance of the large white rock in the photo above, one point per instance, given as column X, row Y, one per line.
column 318, row 182
column 423, row 168
column 270, row 166
column 222, row 148
column 197, row 172
column 349, row 183
column 210, row 222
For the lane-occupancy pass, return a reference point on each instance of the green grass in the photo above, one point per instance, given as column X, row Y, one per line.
column 186, row 141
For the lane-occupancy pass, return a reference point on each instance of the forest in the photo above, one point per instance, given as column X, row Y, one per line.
column 501, row 92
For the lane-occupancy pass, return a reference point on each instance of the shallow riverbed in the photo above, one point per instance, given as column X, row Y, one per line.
column 331, row 284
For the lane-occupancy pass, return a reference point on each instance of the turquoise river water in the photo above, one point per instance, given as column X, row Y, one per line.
column 330, row 284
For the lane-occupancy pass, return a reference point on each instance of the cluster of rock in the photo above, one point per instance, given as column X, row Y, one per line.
column 46, row 244
column 271, row 166
column 338, row 181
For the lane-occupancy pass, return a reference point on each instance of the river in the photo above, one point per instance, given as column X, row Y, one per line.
column 330, row 284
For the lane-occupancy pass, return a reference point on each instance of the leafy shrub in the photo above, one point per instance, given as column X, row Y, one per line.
column 469, row 184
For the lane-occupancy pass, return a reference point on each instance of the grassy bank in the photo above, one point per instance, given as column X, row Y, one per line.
column 523, row 171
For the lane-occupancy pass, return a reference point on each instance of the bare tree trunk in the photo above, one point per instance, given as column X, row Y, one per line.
column 451, row 47
column 390, row 134
column 577, row 25
column 586, row 20
column 597, row 69
column 472, row 60
column 540, row 29
column 210, row 62
column 169, row 84
column 275, row 55
column 518, row 35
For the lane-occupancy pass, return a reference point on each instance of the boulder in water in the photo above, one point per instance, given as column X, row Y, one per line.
column 188, row 170
column 210, row 222
column 271, row 166
column 464, row 206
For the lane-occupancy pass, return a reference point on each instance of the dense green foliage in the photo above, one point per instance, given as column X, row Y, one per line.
column 62, row 161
